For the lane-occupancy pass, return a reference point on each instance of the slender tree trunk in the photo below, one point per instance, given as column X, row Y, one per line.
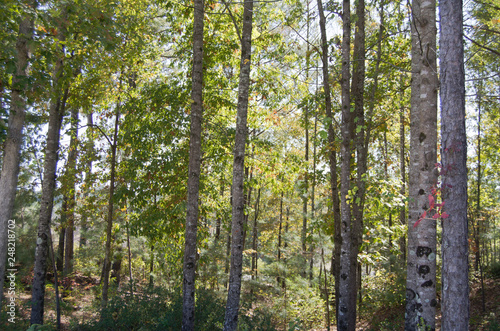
column 70, row 193
column 56, row 111
column 151, row 266
column 421, row 267
column 131, row 280
column 332, row 154
column 402, row 166
column 56, row 282
column 478, row 197
column 255, row 236
column 357, row 93
column 247, row 197
column 346, row 312
column 305, row 189
column 189, row 268
column 62, row 237
column 109, row 220
column 220, row 213
column 88, row 183
column 280, row 228
column 46, row 206
column 455, row 282
column 12, row 147
column 238, row 213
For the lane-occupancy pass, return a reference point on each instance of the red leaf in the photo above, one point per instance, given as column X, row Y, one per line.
column 417, row 222
column 431, row 201
column 444, row 215
column 436, row 216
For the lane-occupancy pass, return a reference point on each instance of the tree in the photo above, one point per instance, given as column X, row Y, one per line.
column 106, row 266
column 70, row 193
column 332, row 153
column 238, row 212
column 193, row 185
column 421, row 264
column 11, row 153
column 455, row 282
column 57, row 106
column 346, row 310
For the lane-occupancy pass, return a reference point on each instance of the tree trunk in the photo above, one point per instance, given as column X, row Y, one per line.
column 129, row 254
column 255, row 235
column 332, row 154
column 193, row 185
column 455, row 302
column 12, row 146
column 358, row 123
column 305, row 189
column 62, row 238
column 421, row 266
column 88, row 183
column 56, row 111
column 238, row 213
column 402, row 166
column 151, row 266
column 70, row 193
column 346, row 312
column 109, row 220
column 46, row 206
column 280, row 228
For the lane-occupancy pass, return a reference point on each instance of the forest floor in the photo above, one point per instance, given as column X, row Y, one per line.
column 79, row 305
column 392, row 318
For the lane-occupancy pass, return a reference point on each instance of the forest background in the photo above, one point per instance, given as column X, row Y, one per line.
column 98, row 99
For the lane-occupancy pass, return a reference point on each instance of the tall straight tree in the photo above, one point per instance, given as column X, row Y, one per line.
column 193, row 188
column 106, row 266
column 332, row 154
column 238, row 212
column 56, row 111
column 421, row 265
column 455, row 303
column 70, row 193
column 11, row 153
column 346, row 310
column 361, row 147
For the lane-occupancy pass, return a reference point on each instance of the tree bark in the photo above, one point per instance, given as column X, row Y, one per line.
column 11, row 152
column 255, row 236
column 62, row 238
column 56, row 111
column 238, row 213
column 455, row 283
column 421, row 266
column 402, row 166
column 332, row 153
column 109, row 219
column 346, row 311
column 357, row 93
column 280, row 227
column 88, row 183
column 70, row 193
column 305, row 189
column 189, row 267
